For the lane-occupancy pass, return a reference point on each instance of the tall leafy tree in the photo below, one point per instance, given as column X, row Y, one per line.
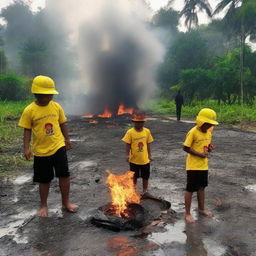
column 188, row 51
column 3, row 62
column 240, row 19
column 191, row 9
column 167, row 19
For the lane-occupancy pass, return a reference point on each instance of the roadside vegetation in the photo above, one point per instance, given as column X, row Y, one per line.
column 226, row 114
column 12, row 161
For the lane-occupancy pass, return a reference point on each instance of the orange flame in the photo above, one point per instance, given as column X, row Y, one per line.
column 122, row 191
column 123, row 110
column 106, row 114
column 88, row 116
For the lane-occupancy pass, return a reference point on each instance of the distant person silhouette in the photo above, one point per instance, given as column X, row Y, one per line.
column 179, row 102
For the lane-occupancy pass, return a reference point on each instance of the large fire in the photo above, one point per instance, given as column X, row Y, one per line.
column 122, row 191
column 107, row 113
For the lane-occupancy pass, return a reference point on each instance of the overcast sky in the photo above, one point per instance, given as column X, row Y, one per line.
column 155, row 5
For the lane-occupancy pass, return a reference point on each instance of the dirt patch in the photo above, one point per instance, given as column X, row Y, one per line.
column 96, row 146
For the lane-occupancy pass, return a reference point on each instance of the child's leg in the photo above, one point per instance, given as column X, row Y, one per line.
column 145, row 174
column 201, row 199
column 145, row 185
column 64, row 183
column 188, row 200
column 134, row 180
column 43, row 191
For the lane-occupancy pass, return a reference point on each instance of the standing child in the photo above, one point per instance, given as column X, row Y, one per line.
column 138, row 152
column 198, row 145
column 45, row 120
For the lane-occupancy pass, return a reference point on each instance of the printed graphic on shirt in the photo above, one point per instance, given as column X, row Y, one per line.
column 140, row 146
column 49, row 129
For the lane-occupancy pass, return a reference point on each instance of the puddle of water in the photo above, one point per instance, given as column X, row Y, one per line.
column 184, row 121
column 15, row 222
column 22, row 179
column 76, row 140
column 213, row 248
column 15, row 199
column 83, row 164
column 174, row 233
column 251, row 188
column 56, row 212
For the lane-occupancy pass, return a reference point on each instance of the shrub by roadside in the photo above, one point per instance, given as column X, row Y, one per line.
column 227, row 114
column 14, row 87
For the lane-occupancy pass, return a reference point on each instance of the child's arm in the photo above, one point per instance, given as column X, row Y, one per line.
column 195, row 153
column 149, row 152
column 127, row 151
column 64, row 130
column 26, row 143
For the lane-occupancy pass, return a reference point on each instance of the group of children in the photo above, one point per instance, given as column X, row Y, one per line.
column 44, row 120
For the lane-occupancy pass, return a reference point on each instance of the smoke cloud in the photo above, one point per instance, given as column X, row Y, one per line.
column 117, row 52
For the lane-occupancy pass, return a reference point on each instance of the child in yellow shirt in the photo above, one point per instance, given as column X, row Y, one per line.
column 45, row 121
column 198, row 145
column 138, row 151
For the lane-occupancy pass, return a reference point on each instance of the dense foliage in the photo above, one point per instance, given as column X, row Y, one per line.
column 13, row 87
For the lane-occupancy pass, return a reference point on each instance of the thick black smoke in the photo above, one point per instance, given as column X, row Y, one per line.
column 119, row 56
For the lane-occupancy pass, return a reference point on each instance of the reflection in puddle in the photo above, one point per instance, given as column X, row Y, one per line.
column 122, row 245
column 22, row 179
column 15, row 222
column 251, row 188
column 77, row 140
column 213, row 247
column 191, row 239
column 174, row 233
column 82, row 164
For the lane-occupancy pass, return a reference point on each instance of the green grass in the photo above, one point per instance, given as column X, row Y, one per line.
column 227, row 114
column 9, row 115
column 12, row 161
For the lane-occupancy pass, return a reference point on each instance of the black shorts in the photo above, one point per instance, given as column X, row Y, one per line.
column 196, row 180
column 44, row 166
column 141, row 170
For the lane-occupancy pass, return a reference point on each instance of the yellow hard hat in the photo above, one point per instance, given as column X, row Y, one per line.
column 206, row 115
column 43, row 85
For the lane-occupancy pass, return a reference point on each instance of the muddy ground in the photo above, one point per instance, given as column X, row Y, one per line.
column 231, row 196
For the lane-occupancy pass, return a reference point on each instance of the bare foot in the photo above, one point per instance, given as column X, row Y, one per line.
column 70, row 207
column 205, row 213
column 43, row 211
column 189, row 218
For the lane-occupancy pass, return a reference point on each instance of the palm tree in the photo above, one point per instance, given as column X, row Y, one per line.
column 240, row 18
column 191, row 9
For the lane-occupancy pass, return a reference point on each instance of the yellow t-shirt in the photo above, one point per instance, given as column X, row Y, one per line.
column 45, row 123
column 139, row 147
column 197, row 140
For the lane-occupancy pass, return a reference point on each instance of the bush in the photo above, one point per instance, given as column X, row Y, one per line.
column 13, row 87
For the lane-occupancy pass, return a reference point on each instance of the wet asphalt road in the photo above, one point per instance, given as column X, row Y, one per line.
column 231, row 196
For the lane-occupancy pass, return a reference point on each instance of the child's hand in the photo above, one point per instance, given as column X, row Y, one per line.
column 28, row 154
column 127, row 159
column 151, row 159
column 211, row 147
column 205, row 154
column 68, row 144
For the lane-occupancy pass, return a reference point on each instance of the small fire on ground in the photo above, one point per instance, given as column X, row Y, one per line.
column 123, row 193
column 108, row 114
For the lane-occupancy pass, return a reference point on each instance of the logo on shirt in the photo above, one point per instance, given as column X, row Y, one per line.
column 49, row 129
column 140, row 146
